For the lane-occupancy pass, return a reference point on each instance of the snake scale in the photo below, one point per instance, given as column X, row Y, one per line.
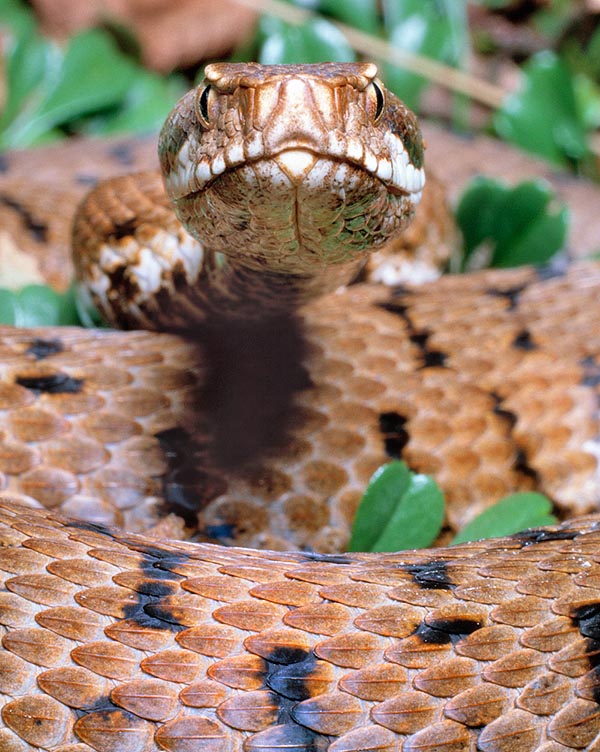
column 125, row 642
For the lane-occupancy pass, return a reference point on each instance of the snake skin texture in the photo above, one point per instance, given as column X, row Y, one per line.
column 117, row 643
column 121, row 642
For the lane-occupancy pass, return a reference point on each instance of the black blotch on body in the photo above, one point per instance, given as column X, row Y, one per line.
column 431, row 636
column 288, row 677
column 521, row 463
column 4, row 163
column 38, row 229
column 434, row 359
column 431, row 357
column 523, row 341
column 508, row 415
column 541, row 535
column 445, row 631
column 124, row 229
column 432, row 575
column 150, row 611
column 186, row 486
column 522, row 466
column 147, row 609
column 511, row 294
column 94, row 527
column 587, row 620
column 55, row 383
column 399, row 309
column 44, row 348
column 420, row 339
column 290, row 680
column 285, row 656
column 395, row 435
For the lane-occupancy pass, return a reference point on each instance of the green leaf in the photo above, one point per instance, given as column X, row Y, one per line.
column 28, row 59
column 543, row 117
column 363, row 14
column 493, row 4
column 587, row 93
column 433, row 28
column 476, row 211
column 399, row 510
column 21, row 62
column 144, row 109
column 37, row 305
column 8, row 307
column 512, row 514
column 16, row 17
column 91, row 75
column 505, row 227
column 313, row 42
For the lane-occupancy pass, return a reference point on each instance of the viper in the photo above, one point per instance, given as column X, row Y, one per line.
column 256, row 419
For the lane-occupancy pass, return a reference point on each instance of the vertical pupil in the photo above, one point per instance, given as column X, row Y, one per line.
column 380, row 101
column 204, row 103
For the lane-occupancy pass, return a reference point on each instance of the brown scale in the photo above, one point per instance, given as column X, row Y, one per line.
column 194, row 644
column 86, row 438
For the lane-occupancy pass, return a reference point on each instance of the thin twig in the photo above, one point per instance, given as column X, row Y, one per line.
column 450, row 78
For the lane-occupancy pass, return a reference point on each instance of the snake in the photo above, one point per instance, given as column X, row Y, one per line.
column 252, row 413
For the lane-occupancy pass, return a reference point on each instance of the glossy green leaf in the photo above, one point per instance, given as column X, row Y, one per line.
column 543, row 117
column 8, row 307
column 94, row 74
column 505, row 226
column 363, row 14
column 90, row 76
column 26, row 58
column 144, row 109
column 493, row 4
column 587, row 93
column 311, row 43
column 37, row 305
column 399, row 510
column 512, row 514
column 433, row 28
column 16, row 18
column 476, row 212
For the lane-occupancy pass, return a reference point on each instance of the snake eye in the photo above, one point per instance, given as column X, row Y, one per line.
column 376, row 98
column 203, row 105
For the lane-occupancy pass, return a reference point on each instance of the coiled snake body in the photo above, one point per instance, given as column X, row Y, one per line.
column 121, row 642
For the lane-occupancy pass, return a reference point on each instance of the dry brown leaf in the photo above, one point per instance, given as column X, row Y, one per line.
column 171, row 33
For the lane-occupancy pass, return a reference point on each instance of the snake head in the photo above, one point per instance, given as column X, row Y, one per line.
column 306, row 165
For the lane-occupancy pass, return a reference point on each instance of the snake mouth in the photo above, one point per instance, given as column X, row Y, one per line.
column 301, row 163
column 298, row 163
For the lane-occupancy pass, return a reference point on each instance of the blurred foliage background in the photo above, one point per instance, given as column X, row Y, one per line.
column 527, row 71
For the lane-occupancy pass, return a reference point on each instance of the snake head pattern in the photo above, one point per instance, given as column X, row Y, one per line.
column 306, row 166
